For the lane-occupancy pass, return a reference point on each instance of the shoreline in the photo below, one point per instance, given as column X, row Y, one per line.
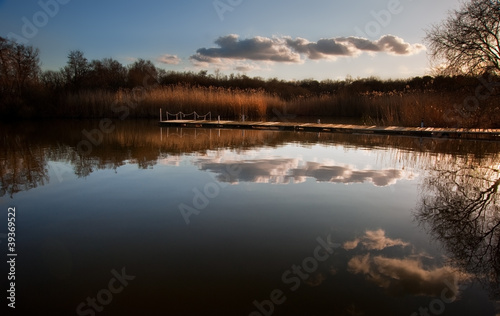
column 462, row 133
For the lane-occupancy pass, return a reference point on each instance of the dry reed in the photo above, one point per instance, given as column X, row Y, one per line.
column 145, row 103
column 382, row 108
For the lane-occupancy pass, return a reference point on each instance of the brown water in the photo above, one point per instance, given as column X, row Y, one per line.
column 127, row 218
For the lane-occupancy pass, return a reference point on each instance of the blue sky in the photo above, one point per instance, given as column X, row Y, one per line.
column 287, row 39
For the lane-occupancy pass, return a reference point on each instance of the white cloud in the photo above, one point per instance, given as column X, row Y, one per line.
column 169, row 59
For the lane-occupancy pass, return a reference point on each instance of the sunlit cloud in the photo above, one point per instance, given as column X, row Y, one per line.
column 287, row 49
column 374, row 240
column 169, row 59
column 407, row 276
column 397, row 46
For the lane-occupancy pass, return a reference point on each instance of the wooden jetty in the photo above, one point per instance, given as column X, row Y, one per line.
column 463, row 133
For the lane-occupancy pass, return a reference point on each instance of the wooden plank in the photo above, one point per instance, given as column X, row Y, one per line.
column 347, row 128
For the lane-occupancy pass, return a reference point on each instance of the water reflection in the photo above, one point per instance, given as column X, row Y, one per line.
column 246, row 235
column 376, row 274
column 22, row 166
column 290, row 170
column 26, row 149
column 460, row 206
column 400, row 276
column 394, row 265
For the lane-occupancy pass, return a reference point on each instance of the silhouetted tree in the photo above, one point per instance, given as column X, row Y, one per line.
column 107, row 74
column 469, row 39
column 19, row 67
column 53, row 80
column 76, row 69
column 142, row 73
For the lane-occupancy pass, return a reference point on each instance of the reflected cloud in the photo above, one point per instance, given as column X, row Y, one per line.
column 347, row 174
column 406, row 276
column 396, row 272
column 284, row 171
column 170, row 161
column 259, row 170
column 374, row 240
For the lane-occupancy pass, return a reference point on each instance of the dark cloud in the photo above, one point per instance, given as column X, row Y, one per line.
column 256, row 48
column 359, row 43
column 320, row 49
column 287, row 49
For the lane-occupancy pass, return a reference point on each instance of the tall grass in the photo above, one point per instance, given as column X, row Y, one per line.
column 145, row 103
column 408, row 108
column 437, row 109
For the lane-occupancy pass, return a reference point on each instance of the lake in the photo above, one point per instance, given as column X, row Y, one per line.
column 127, row 218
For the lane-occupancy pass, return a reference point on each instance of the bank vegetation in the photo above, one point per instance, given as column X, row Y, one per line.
column 106, row 88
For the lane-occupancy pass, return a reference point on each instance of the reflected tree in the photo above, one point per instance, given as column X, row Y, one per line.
column 23, row 167
column 460, row 206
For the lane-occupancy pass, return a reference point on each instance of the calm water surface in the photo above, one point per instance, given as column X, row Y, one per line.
column 143, row 220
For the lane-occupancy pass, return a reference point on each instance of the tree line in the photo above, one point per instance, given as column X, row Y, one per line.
column 26, row 90
column 465, row 47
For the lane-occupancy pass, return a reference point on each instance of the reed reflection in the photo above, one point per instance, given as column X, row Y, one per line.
column 460, row 207
column 27, row 150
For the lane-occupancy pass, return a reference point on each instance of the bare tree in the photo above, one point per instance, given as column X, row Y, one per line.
column 19, row 66
column 468, row 41
column 107, row 74
column 461, row 208
column 76, row 69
